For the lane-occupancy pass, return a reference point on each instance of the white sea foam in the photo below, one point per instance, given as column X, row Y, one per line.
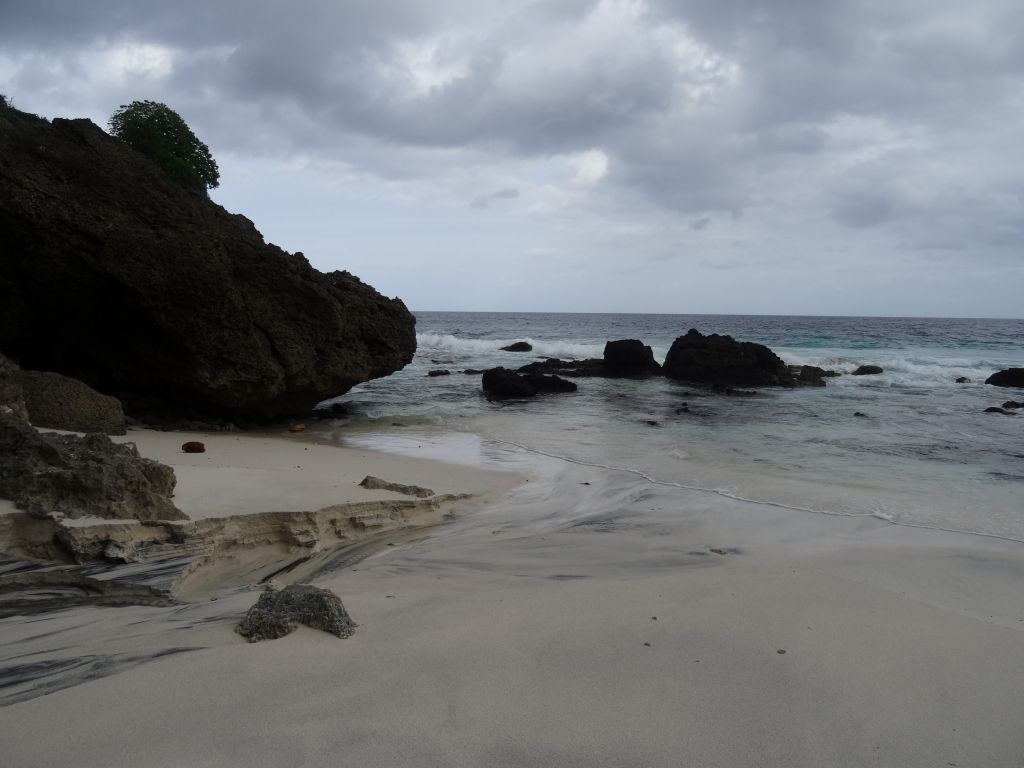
column 900, row 368
column 462, row 347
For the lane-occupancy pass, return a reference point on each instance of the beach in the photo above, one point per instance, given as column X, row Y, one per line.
column 563, row 614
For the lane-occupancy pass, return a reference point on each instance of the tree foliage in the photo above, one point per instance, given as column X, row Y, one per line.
column 157, row 131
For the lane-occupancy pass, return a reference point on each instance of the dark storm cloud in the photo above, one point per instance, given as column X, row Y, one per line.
column 699, row 106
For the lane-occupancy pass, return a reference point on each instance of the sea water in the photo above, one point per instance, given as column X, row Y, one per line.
column 910, row 445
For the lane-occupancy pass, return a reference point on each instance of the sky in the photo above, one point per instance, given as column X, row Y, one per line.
column 850, row 157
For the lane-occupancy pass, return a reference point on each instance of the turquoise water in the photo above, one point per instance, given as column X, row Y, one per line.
column 923, row 452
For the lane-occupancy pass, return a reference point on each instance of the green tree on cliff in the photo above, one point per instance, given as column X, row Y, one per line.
column 158, row 132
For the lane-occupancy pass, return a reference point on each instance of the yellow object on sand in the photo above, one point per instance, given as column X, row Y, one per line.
column 297, row 428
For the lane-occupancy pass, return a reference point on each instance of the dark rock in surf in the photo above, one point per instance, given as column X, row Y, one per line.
column 868, row 370
column 1011, row 377
column 519, row 346
column 89, row 476
column 996, row 409
column 722, row 361
column 439, row 372
column 860, row 414
column 962, row 380
column 119, row 277
column 333, row 411
column 543, row 383
column 59, row 402
column 629, row 357
column 576, row 368
column 472, row 372
column 810, row 375
column 501, row 383
column 1013, row 404
column 279, row 613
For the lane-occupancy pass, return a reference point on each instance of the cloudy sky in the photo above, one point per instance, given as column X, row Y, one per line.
column 721, row 156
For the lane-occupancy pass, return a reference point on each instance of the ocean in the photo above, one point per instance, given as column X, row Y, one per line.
column 910, row 445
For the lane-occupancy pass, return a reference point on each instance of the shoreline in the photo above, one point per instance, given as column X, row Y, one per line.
column 522, row 631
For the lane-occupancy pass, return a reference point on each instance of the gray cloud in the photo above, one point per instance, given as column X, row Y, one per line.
column 630, row 119
column 484, row 201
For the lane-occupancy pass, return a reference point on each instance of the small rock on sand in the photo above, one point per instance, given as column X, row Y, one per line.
column 279, row 612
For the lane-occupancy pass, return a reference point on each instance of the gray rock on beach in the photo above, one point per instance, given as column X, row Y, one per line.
column 279, row 613
column 89, row 476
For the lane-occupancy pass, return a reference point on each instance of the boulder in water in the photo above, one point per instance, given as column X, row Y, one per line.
column 519, row 346
column 811, row 375
column 629, row 357
column 501, row 383
column 868, row 370
column 1011, row 377
column 723, row 361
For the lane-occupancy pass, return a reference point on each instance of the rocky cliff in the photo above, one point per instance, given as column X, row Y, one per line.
column 112, row 274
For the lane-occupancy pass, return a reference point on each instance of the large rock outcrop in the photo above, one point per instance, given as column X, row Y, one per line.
column 114, row 275
column 75, row 477
column 723, row 361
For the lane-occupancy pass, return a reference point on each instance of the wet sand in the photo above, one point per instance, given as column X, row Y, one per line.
column 585, row 617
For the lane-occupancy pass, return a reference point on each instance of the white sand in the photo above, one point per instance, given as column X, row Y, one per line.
column 243, row 474
column 516, row 636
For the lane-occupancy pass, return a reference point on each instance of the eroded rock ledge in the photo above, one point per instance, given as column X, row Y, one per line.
column 168, row 557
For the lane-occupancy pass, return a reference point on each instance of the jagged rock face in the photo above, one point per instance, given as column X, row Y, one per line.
column 114, row 275
column 59, row 402
column 278, row 613
column 723, row 361
column 89, row 476
column 1011, row 377
column 12, row 398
